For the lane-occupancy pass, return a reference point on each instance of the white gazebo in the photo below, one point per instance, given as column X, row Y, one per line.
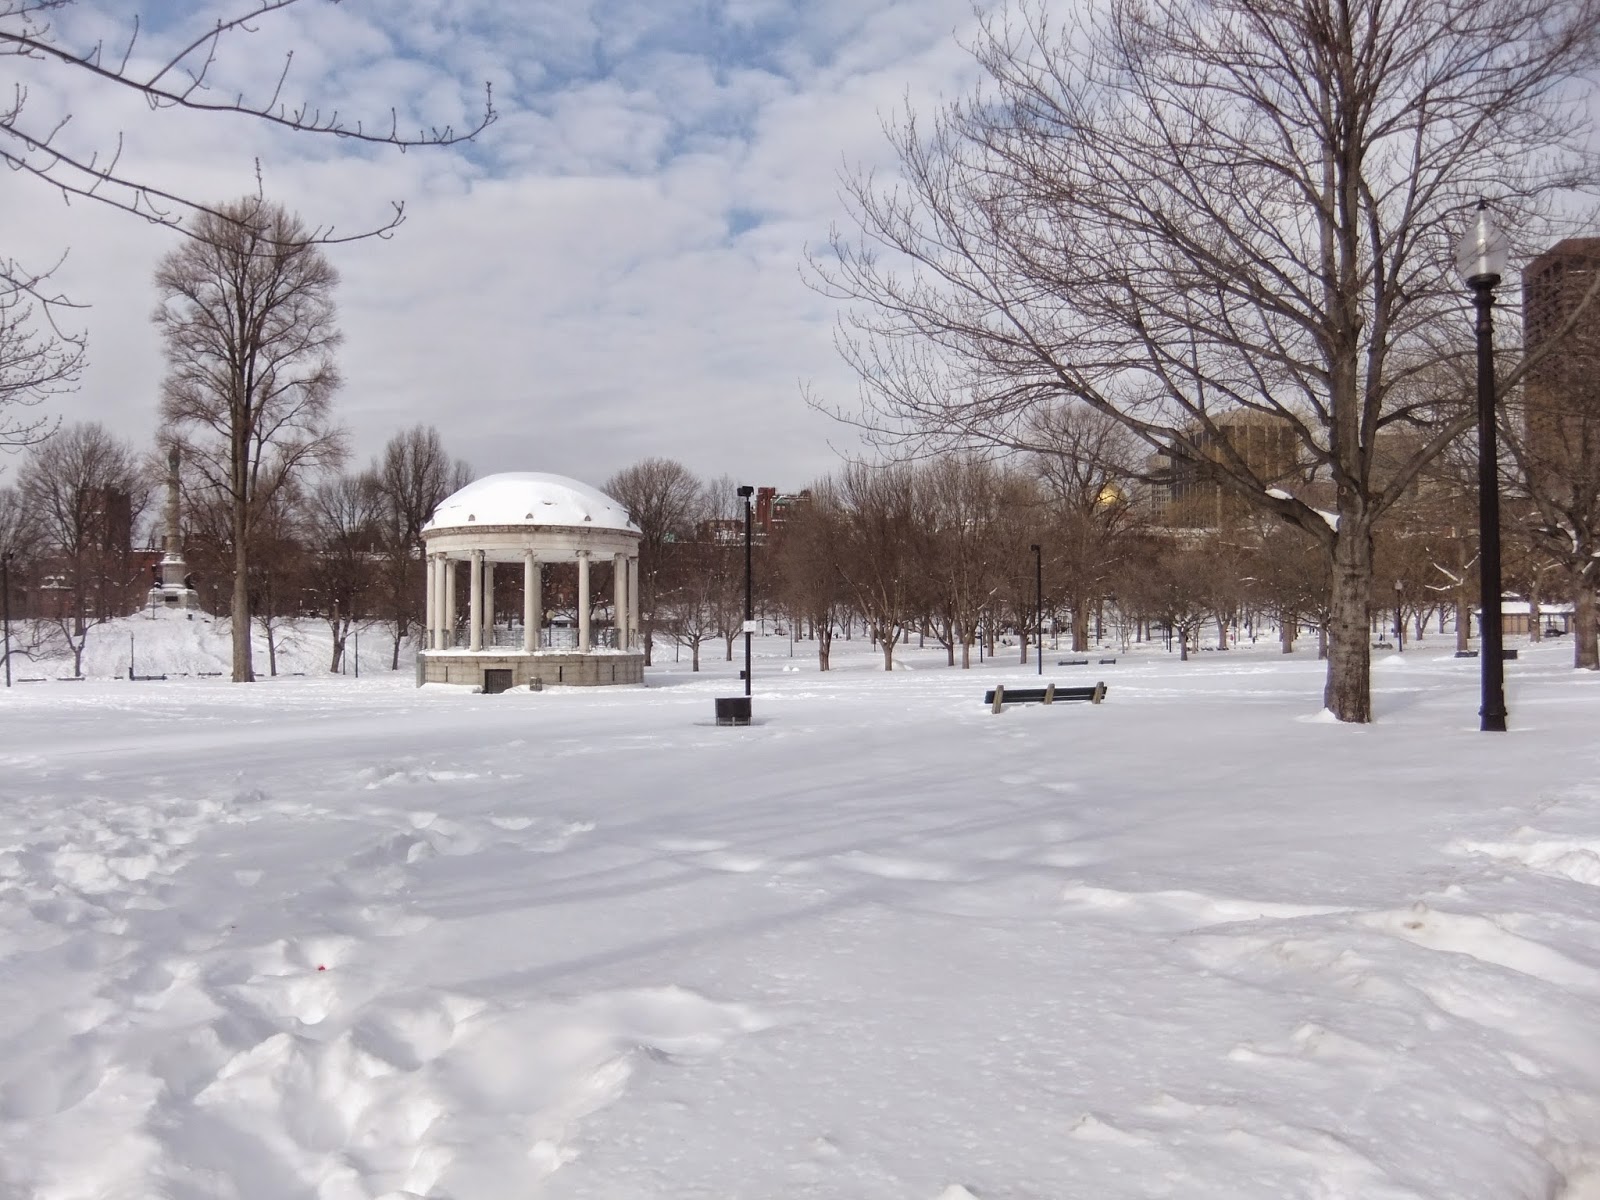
column 528, row 519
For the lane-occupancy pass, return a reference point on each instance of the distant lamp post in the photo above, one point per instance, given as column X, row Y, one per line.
column 745, row 492
column 1481, row 258
column 5, row 590
column 1038, row 605
column 1399, row 622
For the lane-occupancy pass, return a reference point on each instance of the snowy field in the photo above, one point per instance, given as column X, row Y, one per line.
column 329, row 938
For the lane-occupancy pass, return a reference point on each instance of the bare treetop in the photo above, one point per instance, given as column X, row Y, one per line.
column 187, row 78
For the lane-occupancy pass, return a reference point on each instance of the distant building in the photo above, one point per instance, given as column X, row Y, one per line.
column 1186, row 495
column 1562, row 389
column 774, row 508
column 771, row 511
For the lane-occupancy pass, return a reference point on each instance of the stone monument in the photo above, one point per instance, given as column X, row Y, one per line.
column 172, row 588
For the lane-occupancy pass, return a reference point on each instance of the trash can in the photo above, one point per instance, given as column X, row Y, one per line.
column 733, row 710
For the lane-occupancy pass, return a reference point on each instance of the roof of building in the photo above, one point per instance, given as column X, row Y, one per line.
column 530, row 498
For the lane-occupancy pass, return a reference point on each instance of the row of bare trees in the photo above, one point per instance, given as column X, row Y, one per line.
column 1177, row 213
column 943, row 548
column 346, row 547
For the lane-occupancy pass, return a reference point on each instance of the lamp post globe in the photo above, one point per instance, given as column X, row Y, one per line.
column 1481, row 258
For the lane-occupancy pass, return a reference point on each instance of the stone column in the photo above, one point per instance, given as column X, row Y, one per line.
column 620, row 600
column 583, row 602
column 488, row 601
column 443, row 575
column 633, row 603
column 475, row 609
column 449, row 584
column 430, row 604
column 530, row 602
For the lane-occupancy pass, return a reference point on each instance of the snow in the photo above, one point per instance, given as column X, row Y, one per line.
column 339, row 938
column 530, row 498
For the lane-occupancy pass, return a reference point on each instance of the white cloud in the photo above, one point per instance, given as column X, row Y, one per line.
column 612, row 272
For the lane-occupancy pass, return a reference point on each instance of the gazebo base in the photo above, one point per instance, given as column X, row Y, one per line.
column 489, row 669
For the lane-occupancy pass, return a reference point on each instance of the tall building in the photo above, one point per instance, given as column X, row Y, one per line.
column 1189, row 497
column 1562, row 388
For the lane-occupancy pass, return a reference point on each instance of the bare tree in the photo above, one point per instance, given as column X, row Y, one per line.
column 964, row 502
column 37, row 361
column 661, row 496
column 341, row 518
column 39, row 355
column 1175, row 213
column 248, row 325
column 39, row 140
column 808, row 583
column 410, row 479
column 280, row 567
column 875, row 555
column 1087, row 465
column 19, row 544
column 85, row 490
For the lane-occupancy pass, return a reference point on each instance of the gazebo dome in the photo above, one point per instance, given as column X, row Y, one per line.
column 530, row 498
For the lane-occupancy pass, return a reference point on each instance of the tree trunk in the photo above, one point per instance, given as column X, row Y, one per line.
column 338, row 640
column 272, row 651
column 1348, row 692
column 1080, row 627
column 1585, row 646
column 824, row 640
column 1288, row 624
column 695, row 657
column 243, row 667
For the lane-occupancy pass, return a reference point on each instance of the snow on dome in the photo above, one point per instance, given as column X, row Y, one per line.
column 530, row 498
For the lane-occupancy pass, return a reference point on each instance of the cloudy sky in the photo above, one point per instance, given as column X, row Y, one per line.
column 614, row 270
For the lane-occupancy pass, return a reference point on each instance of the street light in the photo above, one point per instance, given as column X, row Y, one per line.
column 745, row 492
column 1481, row 258
column 1038, row 605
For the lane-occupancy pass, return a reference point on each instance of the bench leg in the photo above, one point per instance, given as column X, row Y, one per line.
column 999, row 697
column 1099, row 692
column 1050, row 693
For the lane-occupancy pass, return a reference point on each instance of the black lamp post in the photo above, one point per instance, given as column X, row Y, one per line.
column 5, row 589
column 745, row 492
column 1481, row 258
column 1038, row 605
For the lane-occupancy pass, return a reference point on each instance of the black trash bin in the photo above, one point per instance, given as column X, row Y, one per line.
column 733, row 710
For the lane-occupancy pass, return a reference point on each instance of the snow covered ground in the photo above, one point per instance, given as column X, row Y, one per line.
column 323, row 938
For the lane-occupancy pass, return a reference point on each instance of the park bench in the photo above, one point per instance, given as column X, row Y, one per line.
column 999, row 696
column 1073, row 662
